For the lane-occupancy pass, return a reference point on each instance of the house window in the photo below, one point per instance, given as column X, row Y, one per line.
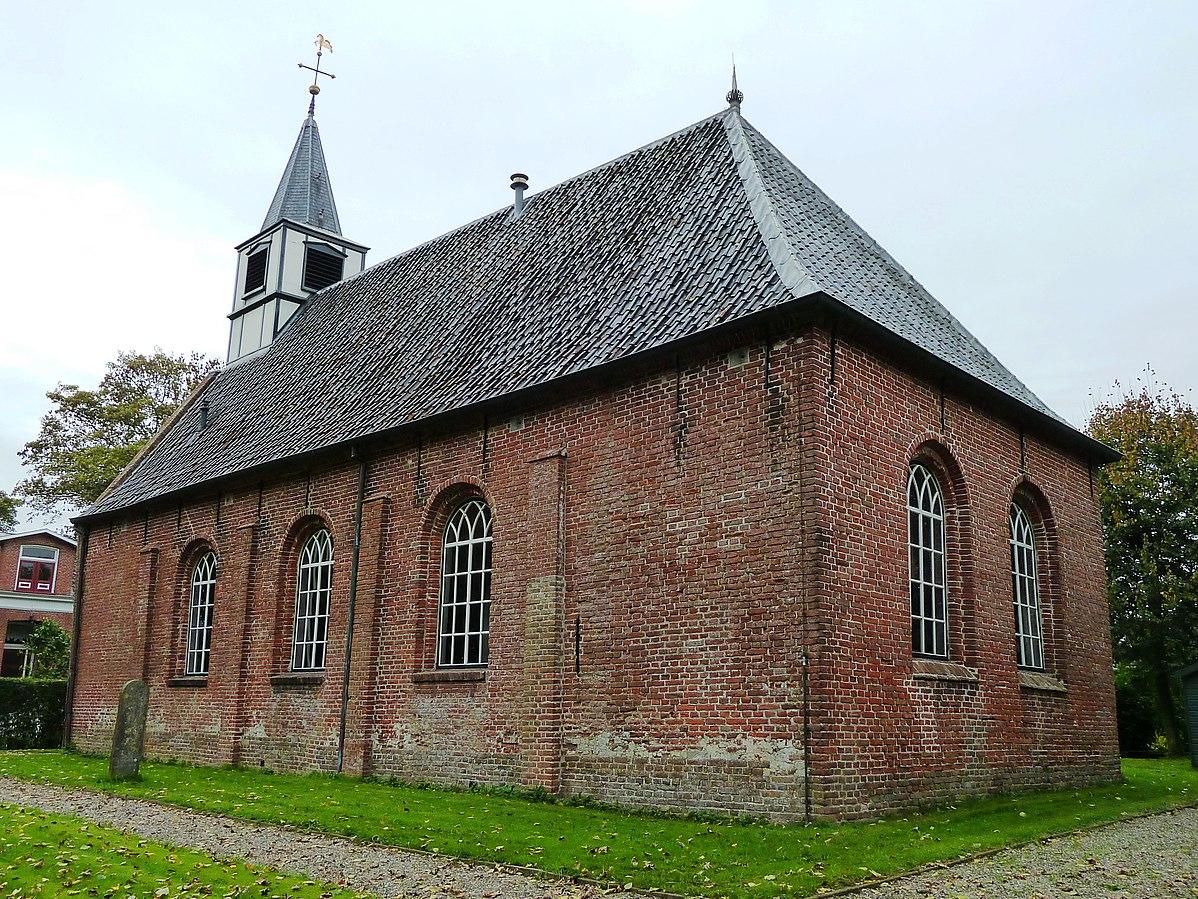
column 255, row 271
column 1029, row 640
column 321, row 268
column 17, row 660
column 465, row 611
column 313, row 585
column 925, row 529
column 199, row 615
column 36, row 568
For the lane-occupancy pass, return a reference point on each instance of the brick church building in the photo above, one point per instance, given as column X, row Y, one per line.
column 663, row 485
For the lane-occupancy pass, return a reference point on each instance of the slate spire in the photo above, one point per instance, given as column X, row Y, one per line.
column 305, row 194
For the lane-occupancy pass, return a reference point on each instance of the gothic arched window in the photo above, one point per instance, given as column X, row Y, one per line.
column 199, row 615
column 1029, row 640
column 464, row 621
column 925, row 539
column 314, row 576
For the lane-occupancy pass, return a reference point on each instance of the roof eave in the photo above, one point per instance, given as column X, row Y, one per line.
column 34, row 532
column 819, row 307
column 1065, row 433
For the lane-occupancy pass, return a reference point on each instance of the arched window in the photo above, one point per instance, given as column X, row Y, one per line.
column 1029, row 640
column 464, row 623
column 925, row 539
column 199, row 615
column 314, row 577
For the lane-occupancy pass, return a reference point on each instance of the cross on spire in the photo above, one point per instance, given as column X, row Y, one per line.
column 322, row 43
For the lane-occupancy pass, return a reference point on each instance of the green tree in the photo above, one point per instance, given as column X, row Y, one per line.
column 1149, row 504
column 90, row 435
column 51, row 648
column 8, row 512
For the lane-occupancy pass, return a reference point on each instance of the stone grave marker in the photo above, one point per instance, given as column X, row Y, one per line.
column 130, row 731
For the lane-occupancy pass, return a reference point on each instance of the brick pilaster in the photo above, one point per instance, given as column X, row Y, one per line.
column 544, row 623
column 230, row 626
column 147, row 583
column 359, row 718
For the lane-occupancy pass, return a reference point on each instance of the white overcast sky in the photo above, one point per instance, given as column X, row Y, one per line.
column 1031, row 163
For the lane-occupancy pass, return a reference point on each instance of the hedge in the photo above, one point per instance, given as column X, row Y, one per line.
column 31, row 713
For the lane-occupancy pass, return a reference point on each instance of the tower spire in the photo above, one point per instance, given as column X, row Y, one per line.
column 734, row 96
column 299, row 250
column 322, row 43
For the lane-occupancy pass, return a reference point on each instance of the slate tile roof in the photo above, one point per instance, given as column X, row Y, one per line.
column 305, row 194
column 699, row 228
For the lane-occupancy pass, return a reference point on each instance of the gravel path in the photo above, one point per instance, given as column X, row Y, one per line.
column 1148, row 857
column 1142, row 859
column 381, row 870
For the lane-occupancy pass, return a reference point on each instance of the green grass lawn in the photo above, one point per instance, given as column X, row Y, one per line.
column 703, row 857
column 54, row 855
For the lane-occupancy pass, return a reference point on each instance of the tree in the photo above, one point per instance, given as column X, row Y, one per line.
column 1149, row 503
column 8, row 512
column 89, row 436
column 51, row 648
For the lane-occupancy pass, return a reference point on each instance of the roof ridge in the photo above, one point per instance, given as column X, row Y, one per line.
column 873, row 246
column 502, row 210
column 797, row 279
column 307, row 130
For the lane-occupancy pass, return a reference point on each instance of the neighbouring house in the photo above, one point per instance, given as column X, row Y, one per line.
column 663, row 485
column 37, row 583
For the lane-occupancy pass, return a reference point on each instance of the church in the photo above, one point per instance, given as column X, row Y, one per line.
column 665, row 485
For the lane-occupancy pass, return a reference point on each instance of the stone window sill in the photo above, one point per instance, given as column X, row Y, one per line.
column 190, row 680
column 450, row 676
column 297, row 679
column 1039, row 680
column 933, row 669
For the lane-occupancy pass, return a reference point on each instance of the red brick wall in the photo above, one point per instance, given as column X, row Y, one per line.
column 886, row 733
column 687, row 529
column 10, row 551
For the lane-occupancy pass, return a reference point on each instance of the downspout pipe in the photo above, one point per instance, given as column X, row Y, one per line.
column 806, row 739
column 76, row 630
column 363, row 473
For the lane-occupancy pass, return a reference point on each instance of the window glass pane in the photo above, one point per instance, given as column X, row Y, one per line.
column 1025, row 591
column 38, row 552
column 925, row 523
column 464, row 622
column 313, row 587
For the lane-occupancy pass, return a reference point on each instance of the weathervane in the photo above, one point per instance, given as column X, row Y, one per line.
column 322, row 44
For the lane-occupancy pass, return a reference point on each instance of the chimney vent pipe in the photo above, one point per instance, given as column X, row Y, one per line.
column 519, row 185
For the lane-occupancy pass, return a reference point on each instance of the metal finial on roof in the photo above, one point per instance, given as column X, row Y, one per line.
column 322, row 43
column 734, row 96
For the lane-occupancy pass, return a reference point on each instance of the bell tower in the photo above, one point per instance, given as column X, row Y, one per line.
column 299, row 249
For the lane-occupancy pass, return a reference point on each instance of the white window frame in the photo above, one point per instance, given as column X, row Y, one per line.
column 464, row 608
column 21, row 557
column 313, row 587
column 926, row 554
column 1025, row 592
column 27, row 656
column 199, row 616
